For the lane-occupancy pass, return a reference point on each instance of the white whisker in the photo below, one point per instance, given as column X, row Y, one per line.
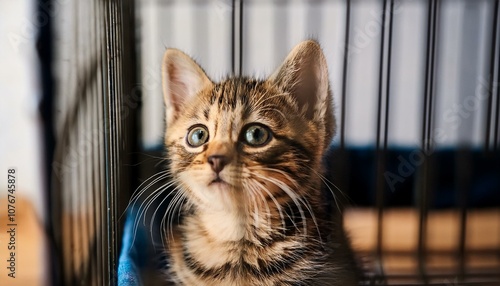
column 138, row 192
column 278, row 206
column 141, row 212
column 295, row 198
column 327, row 182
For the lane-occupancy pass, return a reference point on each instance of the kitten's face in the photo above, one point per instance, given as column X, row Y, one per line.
column 236, row 137
column 242, row 143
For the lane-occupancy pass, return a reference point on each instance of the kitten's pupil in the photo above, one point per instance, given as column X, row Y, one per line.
column 256, row 135
column 197, row 136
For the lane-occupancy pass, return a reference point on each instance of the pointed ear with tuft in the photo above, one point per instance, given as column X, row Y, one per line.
column 304, row 75
column 182, row 79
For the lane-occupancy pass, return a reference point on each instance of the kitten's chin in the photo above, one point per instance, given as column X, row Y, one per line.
column 220, row 185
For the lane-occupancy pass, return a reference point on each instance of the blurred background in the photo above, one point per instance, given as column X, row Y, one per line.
column 416, row 91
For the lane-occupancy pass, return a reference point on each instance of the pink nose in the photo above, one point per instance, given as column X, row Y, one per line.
column 217, row 162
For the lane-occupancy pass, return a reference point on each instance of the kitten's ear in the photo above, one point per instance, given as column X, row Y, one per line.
column 182, row 79
column 304, row 74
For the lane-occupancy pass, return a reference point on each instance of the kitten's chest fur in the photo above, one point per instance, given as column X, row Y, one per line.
column 218, row 249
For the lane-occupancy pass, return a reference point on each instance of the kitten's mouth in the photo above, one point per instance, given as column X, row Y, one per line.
column 218, row 181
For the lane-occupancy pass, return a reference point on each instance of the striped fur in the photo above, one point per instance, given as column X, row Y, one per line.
column 265, row 222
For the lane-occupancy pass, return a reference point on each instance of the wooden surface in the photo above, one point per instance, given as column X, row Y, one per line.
column 29, row 243
column 400, row 229
column 400, row 240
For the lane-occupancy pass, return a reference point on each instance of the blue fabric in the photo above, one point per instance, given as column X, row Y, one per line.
column 128, row 271
column 134, row 253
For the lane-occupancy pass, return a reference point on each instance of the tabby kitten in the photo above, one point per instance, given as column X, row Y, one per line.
column 246, row 159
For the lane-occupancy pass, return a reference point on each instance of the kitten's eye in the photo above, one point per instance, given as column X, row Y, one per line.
column 256, row 135
column 197, row 136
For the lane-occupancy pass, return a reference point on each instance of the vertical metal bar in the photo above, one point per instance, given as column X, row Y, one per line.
column 241, row 37
column 73, row 201
column 99, row 157
column 382, row 124
column 73, row 142
column 52, row 201
column 114, row 140
column 112, row 161
column 93, row 134
column 90, row 162
column 87, row 205
column 101, row 80
column 427, row 72
column 233, row 37
column 424, row 185
column 80, row 192
column 379, row 199
column 108, row 156
column 344, row 74
column 381, row 81
column 493, row 63
column 121, row 142
column 130, row 102
column 462, row 181
column 423, row 213
column 388, row 78
column 496, row 138
column 119, row 92
column 430, row 75
column 237, row 37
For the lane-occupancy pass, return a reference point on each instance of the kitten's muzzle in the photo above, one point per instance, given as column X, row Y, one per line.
column 217, row 163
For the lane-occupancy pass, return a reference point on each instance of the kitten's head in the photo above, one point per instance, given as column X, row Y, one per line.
column 243, row 142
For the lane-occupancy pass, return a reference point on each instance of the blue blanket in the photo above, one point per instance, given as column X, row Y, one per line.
column 139, row 254
column 130, row 258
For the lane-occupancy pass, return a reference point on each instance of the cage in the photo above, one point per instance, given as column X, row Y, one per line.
column 415, row 84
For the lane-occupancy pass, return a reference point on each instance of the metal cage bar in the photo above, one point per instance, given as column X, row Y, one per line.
column 492, row 129
column 424, row 189
column 91, row 179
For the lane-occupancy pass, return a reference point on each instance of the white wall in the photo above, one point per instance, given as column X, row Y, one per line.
column 20, row 133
